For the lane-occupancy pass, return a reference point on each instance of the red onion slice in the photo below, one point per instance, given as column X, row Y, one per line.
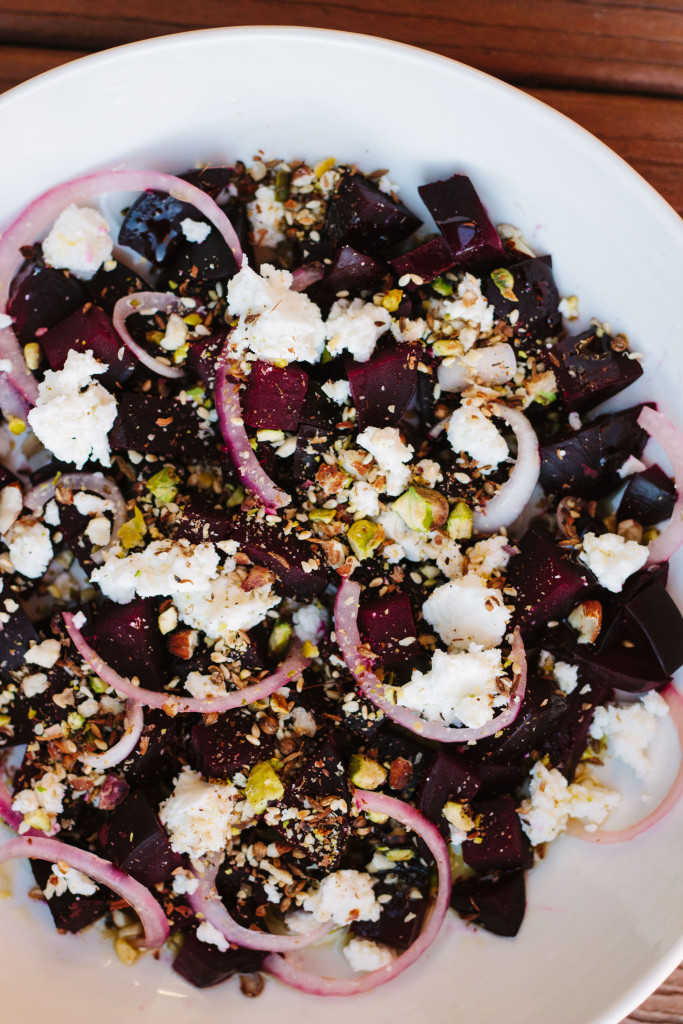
column 10, row 817
column 303, row 277
column 670, row 440
column 133, row 724
column 607, row 836
column 147, row 303
column 348, row 639
column 287, row 970
column 287, row 673
column 151, row 915
column 510, row 501
column 38, row 497
column 495, row 365
column 230, row 420
column 208, row 907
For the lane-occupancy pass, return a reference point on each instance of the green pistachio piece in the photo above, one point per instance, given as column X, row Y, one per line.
column 164, row 485
column 364, row 538
column 441, row 286
column 131, row 533
column 278, row 641
column 366, row 773
column 459, row 525
column 503, row 280
column 263, row 786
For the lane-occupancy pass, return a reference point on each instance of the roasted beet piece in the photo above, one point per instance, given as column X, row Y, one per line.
column 160, row 426
column 536, row 298
column 72, row 524
column 448, row 777
column 462, row 220
column 384, row 623
column 569, row 739
column 242, row 888
column 318, row 409
column 383, row 387
column 549, row 580
column 201, row 520
column 585, row 463
column 16, row 635
column 203, row 965
column 429, row 261
column 29, row 712
column 267, row 545
column 401, row 917
column 655, row 614
column 496, row 904
column 202, row 357
column 649, row 497
column 498, row 778
column 221, row 749
column 134, row 839
column 151, row 226
column 360, row 214
column 311, row 442
column 503, row 846
column 589, row 370
column 350, row 271
column 72, row 913
column 274, row 396
column 199, row 262
column 89, row 328
column 127, row 637
column 111, row 283
column 40, row 297
column 542, row 705
column 154, row 761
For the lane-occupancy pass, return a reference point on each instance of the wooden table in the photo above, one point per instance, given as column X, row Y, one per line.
column 615, row 66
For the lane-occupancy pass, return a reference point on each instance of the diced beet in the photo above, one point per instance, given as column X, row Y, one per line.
column 89, row 328
column 449, row 777
column 267, row 545
column 200, row 262
column 111, row 283
column 274, row 396
column 39, row 298
column 311, row 442
column 649, row 497
column 360, row 214
column 426, row 382
column 392, row 744
column 536, row 298
column 160, row 426
column 569, row 739
column 503, row 846
column 134, row 839
column 201, row 520
column 72, row 913
column 243, row 888
column 350, row 271
column 221, row 749
column 28, row 712
column 401, row 917
column 383, row 387
column 462, row 220
column 127, row 637
column 151, row 226
column 16, row 635
column 585, row 463
column 542, row 706
column 498, row 778
column 589, row 370
column 497, row 904
column 549, row 580
column 202, row 358
column 429, row 261
column 154, row 760
column 72, row 524
column 210, row 179
column 384, row 623
column 203, row 965
column 655, row 614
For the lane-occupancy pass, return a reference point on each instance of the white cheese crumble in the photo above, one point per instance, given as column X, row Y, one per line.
column 553, row 801
column 266, row 217
column 466, row 611
column 199, row 816
column 78, row 242
column 363, row 500
column 631, row 466
column 211, row 936
column 429, row 471
column 195, row 230
column 35, row 684
column 11, row 504
column 338, row 390
column 390, row 453
column 5, row 321
column 45, row 654
column 203, row 687
column 310, row 623
column 355, row 327
column 419, row 547
column 223, row 607
column 184, row 882
column 409, row 330
column 30, row 547
column 65, row 879
column 566, row 676
column 282, row 324
column 470, row 431
column 45, row 796
column 51, row 513
column 470, row 307
column 629, row 729
column 175, row 334
column 98, row 531
column 90, row 504
column 489, row 555
column 612, row 559
column 74, row 414
column 366, row 955
column 343, row 897
column 459, row 689
column 163, row 569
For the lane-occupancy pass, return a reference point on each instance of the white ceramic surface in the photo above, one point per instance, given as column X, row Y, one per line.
column 604, row 926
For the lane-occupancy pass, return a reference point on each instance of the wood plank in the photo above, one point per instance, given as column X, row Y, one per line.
column 615, row 44
column 665, row 1006
column 19, row 63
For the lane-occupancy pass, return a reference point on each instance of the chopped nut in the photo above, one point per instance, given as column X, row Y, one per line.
column 629, row 529
column 168, row 618
column 400, row 773
column 183, row 643
column 586, row 619
column 258, row 577
column 251, row 985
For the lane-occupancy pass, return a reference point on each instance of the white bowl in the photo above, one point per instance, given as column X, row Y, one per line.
column 604, row 926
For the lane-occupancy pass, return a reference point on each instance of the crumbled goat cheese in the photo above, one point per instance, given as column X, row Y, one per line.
column 366, row 955
column 45, row 654
column 338, row 390
column 409, row 330
column 267, row 217
column 472, row 432
column 428, row 471
column 355, row 327
column 310, row 623
column 98, row 531
column 553, row 801
column 195, row 230
column 184, row 883
column 51, row 513
column 199, row 816
column 45, row 795
column 163, row 569
column 629, row 729
column 566, row 676
column 343, row 897
column 631, row 466
column 78, row 242
column 90, row 504
column 175, row 334
column 419, row 547
column 458, row 689
column 489, row 555
column 470, row 306
column 11, row 504
column 212, row 937
column 62, row 881
column 300, row 923
column 466, row 611
column 30, row 547
column 203, row 687
column 74, row 414
column 35, row 684
column 612, row 559
column 363, row 500
column 275, row 322
column 223, row 607
column 303, row 722
column 390, row 453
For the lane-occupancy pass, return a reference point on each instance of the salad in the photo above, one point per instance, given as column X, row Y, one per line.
column 327, row 583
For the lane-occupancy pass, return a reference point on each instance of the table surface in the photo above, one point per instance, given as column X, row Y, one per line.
column 614, row 66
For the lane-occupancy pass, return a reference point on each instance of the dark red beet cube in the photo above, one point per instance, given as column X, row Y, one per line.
column 209, row 260
column 152, row 225
column 16, row 635
column 203, row 356
column 352, row 271
column 89, row 328
column 200, row 521
column 462, row 220
column 383, row 387
column 154, row 759
column 429, row 261
column 267, row 545
column 72, row 913
column 536, row 299
column 127, row 637
column 203, row 965
column 134, row 839
column 448, row 777
column 221, row 749
column 111, row 283
column 72, row 524
column 655, row 614
column 649, row 497
column 498, row 778
column 568, row 742
column 401, row 917
column 589, row 370
column 161, row 426
column 361, row 215
column 274, row 396
column 311, row 442
column 497, row 904
column 384, row 623
column 501, row 845
column 542, row 706
column 39, row 298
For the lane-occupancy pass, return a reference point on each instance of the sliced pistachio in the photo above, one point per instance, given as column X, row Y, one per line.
column 441, row 286
column 364, row 537
column 365, row 772
column 414, row 510
column 504, row 281
column 132, row 532
column 278, row 642
column 392, row 300
column 459, row 525
column 322, row 515
column 263, row 786
column 164, row 485
column 456, row 815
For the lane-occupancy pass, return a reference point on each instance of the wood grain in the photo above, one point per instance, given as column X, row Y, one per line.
column 614, row 44
column 665, row 1006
